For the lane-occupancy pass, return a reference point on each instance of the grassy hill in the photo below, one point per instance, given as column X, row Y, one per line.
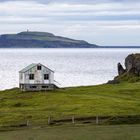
column 40, row 40
column 118, row 99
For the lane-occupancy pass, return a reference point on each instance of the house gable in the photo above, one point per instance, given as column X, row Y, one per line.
column 29, row 67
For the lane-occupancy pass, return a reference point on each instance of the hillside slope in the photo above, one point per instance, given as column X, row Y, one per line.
column 119, row 99
column 40, row 40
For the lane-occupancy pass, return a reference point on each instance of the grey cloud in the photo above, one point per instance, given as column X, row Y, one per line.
column 98, row 18
column 87, row 1
column 77, row 1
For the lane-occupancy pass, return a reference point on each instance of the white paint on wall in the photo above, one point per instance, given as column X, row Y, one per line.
column 38, row 76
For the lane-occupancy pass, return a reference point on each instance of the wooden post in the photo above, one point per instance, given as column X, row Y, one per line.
column 27, row 123
column 97, row 120
column 73, row 120
column 49, row 120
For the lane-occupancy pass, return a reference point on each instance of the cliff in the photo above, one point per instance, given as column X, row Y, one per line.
column 40, row 40
column 131, row 72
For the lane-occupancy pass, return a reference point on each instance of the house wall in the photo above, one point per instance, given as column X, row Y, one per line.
column 38, row 76
column 37, row 87
column 21, row 77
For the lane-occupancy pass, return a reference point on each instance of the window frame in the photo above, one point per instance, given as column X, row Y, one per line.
column 46, row 76
column 39, row 67
column 31, row 76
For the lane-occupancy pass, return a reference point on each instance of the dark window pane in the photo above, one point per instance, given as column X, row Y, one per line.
column 33, row 87
column 31, row 76
column 46, row 76
column 38, row 67
column 45, row 86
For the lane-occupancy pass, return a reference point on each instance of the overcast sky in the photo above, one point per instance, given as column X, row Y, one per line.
column 102, row 22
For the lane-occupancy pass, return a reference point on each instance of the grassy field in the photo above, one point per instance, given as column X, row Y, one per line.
column 119, row 99
column 86, row 132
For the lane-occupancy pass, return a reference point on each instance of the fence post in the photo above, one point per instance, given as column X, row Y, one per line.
column 73, row 120
column 27, row 123
column 97, row 119
column 49, row 120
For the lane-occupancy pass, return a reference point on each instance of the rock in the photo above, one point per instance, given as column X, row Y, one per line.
column 121, row 70
column 132, row 64
column 131, row 72
column 113, row 81
column 129, row 62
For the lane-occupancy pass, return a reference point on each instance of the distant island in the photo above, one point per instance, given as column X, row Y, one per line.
column 35, row 39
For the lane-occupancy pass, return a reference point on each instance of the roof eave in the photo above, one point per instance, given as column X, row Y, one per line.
column 34, row 66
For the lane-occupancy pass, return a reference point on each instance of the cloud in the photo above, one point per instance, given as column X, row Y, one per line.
column 74, row 18
column 79, row 11
column 76, row 1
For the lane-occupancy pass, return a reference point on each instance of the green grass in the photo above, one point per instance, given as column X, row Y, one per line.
column 119, row 99
column 130, row 78
column 86, row 132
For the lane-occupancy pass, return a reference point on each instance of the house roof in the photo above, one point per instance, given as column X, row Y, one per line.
column 31, row 66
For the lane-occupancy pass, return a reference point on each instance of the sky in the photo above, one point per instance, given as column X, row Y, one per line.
column 101, row 22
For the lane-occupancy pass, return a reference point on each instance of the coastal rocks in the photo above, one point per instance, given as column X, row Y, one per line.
column 121, row 70
column 131, row 72
column 115, row 81
column 132, row 65
column 129, row 62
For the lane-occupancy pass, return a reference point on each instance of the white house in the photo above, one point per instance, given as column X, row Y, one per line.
column 36, row 77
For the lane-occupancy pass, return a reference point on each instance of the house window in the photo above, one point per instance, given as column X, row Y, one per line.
column 38, row 67
column 46, row 76
column 45, row 86
column 31, row 76
column 33, row 87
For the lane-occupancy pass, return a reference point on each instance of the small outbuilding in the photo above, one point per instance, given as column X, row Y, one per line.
column 36, row 77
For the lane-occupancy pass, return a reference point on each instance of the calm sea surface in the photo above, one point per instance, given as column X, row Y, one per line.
column 73, row 67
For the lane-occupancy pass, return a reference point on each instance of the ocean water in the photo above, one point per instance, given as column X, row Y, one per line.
column 73, row 67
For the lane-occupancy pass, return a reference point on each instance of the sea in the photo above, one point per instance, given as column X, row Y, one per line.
column 72, row 67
